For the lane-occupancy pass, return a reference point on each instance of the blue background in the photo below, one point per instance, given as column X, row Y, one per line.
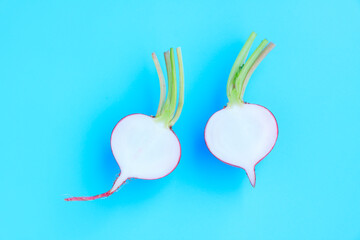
column 69, row 70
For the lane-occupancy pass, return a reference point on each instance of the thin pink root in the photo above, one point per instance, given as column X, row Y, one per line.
column 89, row 198
column 120, row 180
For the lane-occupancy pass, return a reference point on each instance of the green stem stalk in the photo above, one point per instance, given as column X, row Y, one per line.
column 169, row 75
column 240, row 59
column 168, row 112
column 173, row 88
column 261, row 57
column 162, row 83
column 239, row 81
column 181, row 88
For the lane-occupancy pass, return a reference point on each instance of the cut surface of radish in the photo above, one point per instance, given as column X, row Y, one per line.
column 242, row 134
column 145, row 147
column 153, row 147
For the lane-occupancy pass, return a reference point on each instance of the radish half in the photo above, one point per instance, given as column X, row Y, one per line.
column 242, row 134
column 146, row 147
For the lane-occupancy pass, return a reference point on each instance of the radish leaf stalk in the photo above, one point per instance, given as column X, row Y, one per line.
column 162, row 84
column 239, row 62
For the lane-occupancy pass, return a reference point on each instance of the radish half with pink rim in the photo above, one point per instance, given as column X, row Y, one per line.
column 146, row 147
column 242, row 134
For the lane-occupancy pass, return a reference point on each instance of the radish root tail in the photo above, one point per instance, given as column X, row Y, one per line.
column 120, row 180
column 251, row 175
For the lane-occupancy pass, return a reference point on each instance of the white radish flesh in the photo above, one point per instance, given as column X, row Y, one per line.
column 145, row 147
column 242, row 134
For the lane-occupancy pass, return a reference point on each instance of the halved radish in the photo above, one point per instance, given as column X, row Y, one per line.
column 242, row 134
column 145, row 147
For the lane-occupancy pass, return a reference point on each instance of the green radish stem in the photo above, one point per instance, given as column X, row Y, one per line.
column 240, row 59
column 168, row 71
column 167, row 110
column 162, row 83
column 173, row 89
column 261, row 57
column 239, row 81
column 242, row 71
column 181, row 88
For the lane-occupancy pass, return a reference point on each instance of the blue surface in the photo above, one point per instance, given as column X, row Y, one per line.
column 69, row 70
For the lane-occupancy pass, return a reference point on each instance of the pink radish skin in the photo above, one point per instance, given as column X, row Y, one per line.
column 242, row 134
column 249, row 169
column 146, row 147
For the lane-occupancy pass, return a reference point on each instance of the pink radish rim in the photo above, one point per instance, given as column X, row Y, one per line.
column 277, row 134
column 144, row 178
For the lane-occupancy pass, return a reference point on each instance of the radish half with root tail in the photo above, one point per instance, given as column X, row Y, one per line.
column 146, row 147
column 242, row 134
